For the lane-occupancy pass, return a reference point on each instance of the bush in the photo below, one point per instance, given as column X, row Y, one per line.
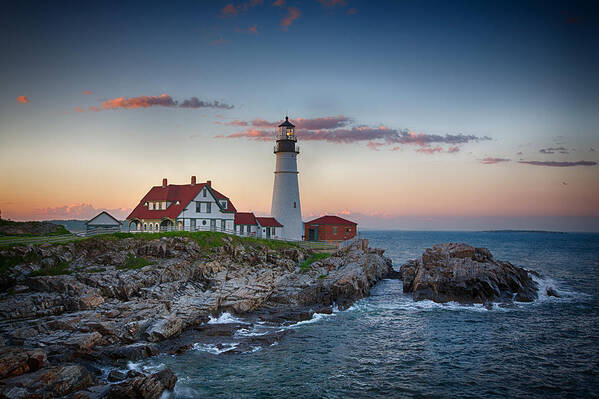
column 305, row 265
column 133, row 262
column 56, row 270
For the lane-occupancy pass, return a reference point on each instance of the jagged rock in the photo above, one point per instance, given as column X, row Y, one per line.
column 135, row 351
column 48, row 382
column 552, row 292
column 15, row 361
column 116, row 375
column 150, row 387
column 163, row 329
column 462, row 273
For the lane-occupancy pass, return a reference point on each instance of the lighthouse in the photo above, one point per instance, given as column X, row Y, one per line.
column 286, row 206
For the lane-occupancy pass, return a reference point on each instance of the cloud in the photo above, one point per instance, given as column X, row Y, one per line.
column 374, row 145
column 252, row 30
column 194, row 102
column 560, row 164
column 591, row 150
column 22, row 100
column 229, row 10
column 429, row 150
column 278, row 3
column 337, row 129
column 352, row 11
column 163, row 100
column 78, row 211
column 491, row 161
column 87, row 93
column 218, row 42
column 553, row 150
column 293, row 13
column 332, row 3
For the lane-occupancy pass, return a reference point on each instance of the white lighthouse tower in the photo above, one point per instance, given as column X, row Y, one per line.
column 286, row 206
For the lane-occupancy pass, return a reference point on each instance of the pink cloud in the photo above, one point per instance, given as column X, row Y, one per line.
column 452, row 150
column 429, row 150
column 78, row 211
column 352, row 11
column 87, row 93
column 491, row 161
column 278, row 3
column 293, row 13
column 332, row 3
column 22, row 100
column 374, row 145
column 218, row 42
column 229, row 10
column 252, row 29
column 163, row 100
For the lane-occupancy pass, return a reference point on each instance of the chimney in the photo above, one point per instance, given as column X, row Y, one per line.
column 193, row 180
column 164, row 182
column 209, row 183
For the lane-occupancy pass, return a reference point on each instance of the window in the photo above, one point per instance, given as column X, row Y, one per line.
column 198, row 207
column 241, row 229
column 272, row 230
column 223, row 225
column 204, row 193
column 156, row 227
column 151, row 207
column 223, row 204
column 204, row 222
column 192, row 224
column 145, row 226
column 335, row 230
column 208, row 207
column 294, row 204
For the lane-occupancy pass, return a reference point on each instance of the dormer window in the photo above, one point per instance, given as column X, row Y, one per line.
column 204, row 193
column 223, row 204
column 151, row 207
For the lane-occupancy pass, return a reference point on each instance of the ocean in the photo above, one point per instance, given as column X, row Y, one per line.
column 387, row 346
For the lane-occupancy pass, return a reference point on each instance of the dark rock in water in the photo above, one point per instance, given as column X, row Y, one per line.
column 462, row 273
column 146, row 387
column 116, row 375
column 552, row 292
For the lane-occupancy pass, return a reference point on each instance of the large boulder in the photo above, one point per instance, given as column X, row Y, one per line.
column 462, row 273
column 146, row 387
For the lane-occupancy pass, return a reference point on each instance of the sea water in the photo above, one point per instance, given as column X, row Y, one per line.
column 389, row 346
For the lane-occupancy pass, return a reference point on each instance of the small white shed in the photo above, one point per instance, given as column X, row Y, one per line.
column 104, row 222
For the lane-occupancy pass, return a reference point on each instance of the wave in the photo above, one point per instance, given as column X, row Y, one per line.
column 215, row 349
column 226, row 318
column 315, row 317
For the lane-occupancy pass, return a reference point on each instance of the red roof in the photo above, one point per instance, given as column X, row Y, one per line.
column 184, row 193
column 245, row 218
column 268, row 222
column 330, row 219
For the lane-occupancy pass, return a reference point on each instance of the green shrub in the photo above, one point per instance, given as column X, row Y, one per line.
column 56, row 270
column 305, row 265
column 133, row 262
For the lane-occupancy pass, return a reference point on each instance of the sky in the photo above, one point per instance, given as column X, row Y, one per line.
column 410, row 115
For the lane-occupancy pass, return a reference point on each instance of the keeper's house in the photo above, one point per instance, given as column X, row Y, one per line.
column 190, row 207
column 330, row 228
column 247, row 224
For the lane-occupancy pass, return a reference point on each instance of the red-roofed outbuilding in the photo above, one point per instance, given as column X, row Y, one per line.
column 330, row 228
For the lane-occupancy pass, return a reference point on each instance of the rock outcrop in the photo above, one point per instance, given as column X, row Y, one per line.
column 465, row 274
column 131, row 298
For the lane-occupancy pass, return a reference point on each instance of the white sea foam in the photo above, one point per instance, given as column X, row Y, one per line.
column 254, row 349
column 226, row 318
column 215, row 350
column 316, row 317
column 246, row 332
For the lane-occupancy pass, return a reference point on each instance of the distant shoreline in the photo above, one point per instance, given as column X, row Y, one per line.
column 524, row 231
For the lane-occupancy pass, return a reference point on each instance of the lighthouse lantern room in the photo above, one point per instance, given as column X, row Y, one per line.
column 286, row 206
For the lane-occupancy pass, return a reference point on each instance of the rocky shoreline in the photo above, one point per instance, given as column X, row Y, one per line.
column 69, row 313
